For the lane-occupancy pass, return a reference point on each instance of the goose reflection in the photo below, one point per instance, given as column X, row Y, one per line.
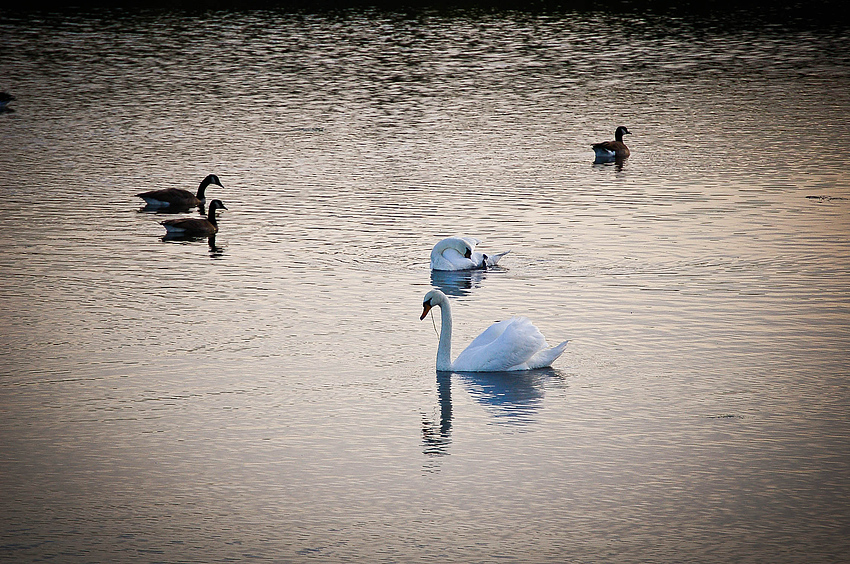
column 603, row 162
column 215, row 250
column 459, row 282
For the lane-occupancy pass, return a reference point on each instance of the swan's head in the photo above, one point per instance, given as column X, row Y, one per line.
column 431, row 299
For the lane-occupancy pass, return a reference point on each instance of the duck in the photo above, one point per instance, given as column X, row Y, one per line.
column 177, row 197
column 194, row 226
column 506, row 346
column 458, row 253
column 613, row 149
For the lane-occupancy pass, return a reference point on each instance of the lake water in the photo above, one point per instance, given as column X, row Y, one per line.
column 273, row 396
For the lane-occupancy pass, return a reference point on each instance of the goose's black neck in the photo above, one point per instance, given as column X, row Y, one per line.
column 211, row 215
column 204, row 183
column 618, row 135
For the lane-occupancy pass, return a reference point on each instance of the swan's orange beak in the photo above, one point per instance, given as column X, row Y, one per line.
column 425, row 309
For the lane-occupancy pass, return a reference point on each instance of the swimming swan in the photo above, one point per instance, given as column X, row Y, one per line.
column 613, row 149
column 177, row 197
column 194, row 226
column 458, row 253
column 513, row 344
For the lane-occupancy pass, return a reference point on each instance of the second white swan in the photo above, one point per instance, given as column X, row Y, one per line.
column 458, row 253
column 512, row 344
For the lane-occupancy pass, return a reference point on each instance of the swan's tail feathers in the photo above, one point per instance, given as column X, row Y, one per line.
column 547, row 357
column 492, row 260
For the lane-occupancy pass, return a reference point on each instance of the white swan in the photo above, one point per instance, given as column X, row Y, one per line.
column 458, row 253
column 513, row 344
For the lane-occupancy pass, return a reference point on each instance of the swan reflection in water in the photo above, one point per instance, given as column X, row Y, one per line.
column 436, row 437
column 511, row 397
column 460, row 282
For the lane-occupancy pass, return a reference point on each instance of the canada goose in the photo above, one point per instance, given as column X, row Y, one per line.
column 613, row 149
column 5, row 98
column 177, row 197
column 194, row 226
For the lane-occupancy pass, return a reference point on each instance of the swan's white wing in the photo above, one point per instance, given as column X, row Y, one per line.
column 450, row 254
column 451, row 259
column 490, row 334
column 547, row 356
column 506, row 345
column 480, row 260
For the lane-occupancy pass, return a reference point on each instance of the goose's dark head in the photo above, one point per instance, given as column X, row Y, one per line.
column 618, row 135
column 216, row 205
column 211, row 179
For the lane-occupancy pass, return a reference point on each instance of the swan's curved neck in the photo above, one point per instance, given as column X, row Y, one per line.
column 444, row 349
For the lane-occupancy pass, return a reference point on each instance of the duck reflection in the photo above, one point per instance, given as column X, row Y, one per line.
column 459, row 282
column 511, row 397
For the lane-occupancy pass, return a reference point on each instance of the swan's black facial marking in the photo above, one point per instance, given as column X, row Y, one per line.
column 468, row 253
column 426, row 307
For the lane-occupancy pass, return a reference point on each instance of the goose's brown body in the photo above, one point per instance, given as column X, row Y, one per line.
column 177, row 198
column 616, row 148
column 195, row 226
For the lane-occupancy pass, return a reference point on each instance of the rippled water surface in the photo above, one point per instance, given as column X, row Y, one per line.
column 272, row 395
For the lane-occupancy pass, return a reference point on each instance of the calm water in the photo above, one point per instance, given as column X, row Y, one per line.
column 273, row 397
